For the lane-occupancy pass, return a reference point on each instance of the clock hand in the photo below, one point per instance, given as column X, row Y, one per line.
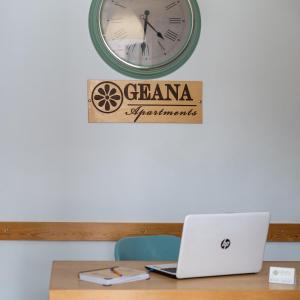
column 143, row 45
column 157, row 32
column 146, row 14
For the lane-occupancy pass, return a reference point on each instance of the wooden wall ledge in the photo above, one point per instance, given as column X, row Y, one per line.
column 77, row 231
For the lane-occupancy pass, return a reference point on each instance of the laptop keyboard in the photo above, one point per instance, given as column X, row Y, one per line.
column 171, row 270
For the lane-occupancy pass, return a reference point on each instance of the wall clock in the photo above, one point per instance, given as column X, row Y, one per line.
column 145, row 38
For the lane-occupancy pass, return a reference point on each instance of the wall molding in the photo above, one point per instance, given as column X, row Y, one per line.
column 84, row 231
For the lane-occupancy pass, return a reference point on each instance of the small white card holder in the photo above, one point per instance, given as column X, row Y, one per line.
column 282, row 275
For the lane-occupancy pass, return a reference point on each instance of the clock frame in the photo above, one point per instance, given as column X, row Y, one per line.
column 147, row 71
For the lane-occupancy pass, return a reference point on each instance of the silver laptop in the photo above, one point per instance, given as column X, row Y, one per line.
column 219, row 244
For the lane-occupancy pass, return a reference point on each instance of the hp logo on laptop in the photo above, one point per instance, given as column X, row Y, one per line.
column 225, row 244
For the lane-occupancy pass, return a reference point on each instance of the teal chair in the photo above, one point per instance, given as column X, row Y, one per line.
column 151, row 248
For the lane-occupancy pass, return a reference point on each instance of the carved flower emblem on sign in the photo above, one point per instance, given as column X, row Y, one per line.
column 107, row 97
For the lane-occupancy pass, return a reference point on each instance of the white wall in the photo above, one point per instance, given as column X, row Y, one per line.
column 54, row 166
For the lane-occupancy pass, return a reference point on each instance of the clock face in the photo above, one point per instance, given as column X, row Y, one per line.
column 145, row 38
column 145, row 33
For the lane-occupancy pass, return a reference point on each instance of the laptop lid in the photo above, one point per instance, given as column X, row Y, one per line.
column 222, row 244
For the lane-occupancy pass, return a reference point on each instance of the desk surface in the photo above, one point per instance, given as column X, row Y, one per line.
column 65, row 285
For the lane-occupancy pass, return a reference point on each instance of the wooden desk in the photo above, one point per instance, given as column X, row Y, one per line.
column 65, row 285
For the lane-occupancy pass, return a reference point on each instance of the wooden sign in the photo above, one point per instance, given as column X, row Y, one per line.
column 145, row 101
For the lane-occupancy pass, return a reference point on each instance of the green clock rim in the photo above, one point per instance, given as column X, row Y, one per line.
column 138, row 73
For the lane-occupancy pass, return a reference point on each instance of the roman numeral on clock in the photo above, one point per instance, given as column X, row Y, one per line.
column 118, row 4
column 175, row 20
column 163, row 49
column 120, row 34
column 115, row 21
column 171, row 5
column 171, row 35
column 130, row 48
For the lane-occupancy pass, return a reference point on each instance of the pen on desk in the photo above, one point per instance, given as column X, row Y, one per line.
column 113, row 269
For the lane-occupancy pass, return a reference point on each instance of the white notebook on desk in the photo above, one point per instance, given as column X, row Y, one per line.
column 113, row 275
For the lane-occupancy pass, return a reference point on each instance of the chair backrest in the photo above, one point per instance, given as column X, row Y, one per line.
column 151, row 248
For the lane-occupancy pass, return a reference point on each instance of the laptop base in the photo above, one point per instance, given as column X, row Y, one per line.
column 165, row 269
